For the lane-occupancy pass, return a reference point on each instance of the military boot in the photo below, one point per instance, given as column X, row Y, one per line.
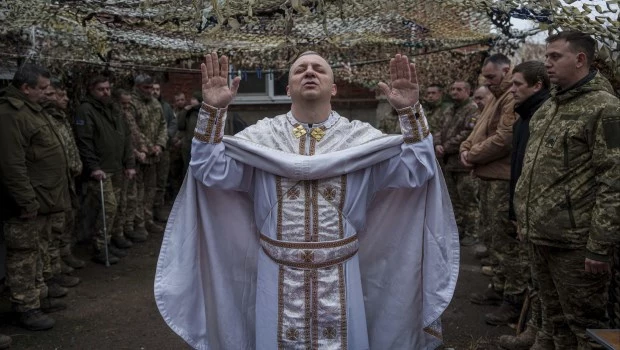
column 65, row 269
column 137, row 236
column 73, row 262
column 160, row 214
column 122, row 242
column 481, row 251
column 49, row 305
column 523, row 341
column 35, row 320
column 489, row 297
column 66, row 281
column 153, row 227
column 487, row 271
column 468, row 241
column 54, row 290
column 5, row 341
column 121, row 253
column 99, row 258
column 543, row 344
column 506, row 314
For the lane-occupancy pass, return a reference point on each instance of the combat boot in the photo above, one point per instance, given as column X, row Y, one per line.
column 73, row 262
column 65, row 269
column 66, row 280
column 99, row 258
column 5, row 341
column 160, row 214
column 153, row 227
column 121, row 253
column 481, row 251
column 489, row 297
column 523, row 341
column 122, row 242
column 49, row 305
column 506, row 314
column 543, row 344
column 137, row 236
column 468, row 241
column 487, row 271
column 35, row 320
column 54, row 290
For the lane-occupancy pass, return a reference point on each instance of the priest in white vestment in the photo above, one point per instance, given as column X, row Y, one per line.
column 307, row 230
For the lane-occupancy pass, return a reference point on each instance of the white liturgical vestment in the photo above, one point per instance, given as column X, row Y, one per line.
column 297, row 236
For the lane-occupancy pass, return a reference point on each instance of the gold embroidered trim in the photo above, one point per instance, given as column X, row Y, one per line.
column 307, row 198
column 315, row 311
column 292, row 334
column 219, row 126
column 329, row 333
column 210, row 123
column 343, row 308
column 279, row 204
column 302, row 145
column 309, row 245
column 312, row 147
column 329, row 193
column 281, row 344
column 293, row 193
column 315, row 206
column 311, row 266
column 307, row 314
column 343, row 194
column 433, row 332
column 202, row 137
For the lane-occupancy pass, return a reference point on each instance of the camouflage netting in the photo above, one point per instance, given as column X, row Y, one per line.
column 448, row 37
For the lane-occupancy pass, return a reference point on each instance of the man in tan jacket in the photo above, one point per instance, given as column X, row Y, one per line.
column 487, row 152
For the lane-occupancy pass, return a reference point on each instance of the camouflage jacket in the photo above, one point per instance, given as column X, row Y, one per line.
column 390, row 124
column 568, row 195
column 137, row 137
column 150, row 120
column 458, row 122
column 62, row 126
column 434, row 114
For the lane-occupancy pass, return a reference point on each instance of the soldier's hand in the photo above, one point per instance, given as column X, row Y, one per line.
column 130, row 173
column 404, row 90
column 28, row 215
column 156, row 150
column 439, row 151
column 596, row 267
column 141, row 157
column 98, row 175
column 215, row 89
column 464, row 159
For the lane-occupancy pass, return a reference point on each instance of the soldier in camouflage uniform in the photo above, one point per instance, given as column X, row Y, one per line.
column 151, row 122
column 458, row 122
column 487, row 150
column 104, row 142
column 388, row 119
column 34, row 184
column 568, row 196
column 129, row 193
column 55, row 104
column 434, row 106
column 163, row 166
column 176, row 157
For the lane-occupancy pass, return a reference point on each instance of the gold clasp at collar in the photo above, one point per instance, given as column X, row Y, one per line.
column 317, row 133
column 299, row 131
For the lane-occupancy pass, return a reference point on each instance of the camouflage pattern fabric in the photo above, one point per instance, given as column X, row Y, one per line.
column 151, row 122
column 146, row 191
column 463, row 190
column 24, row 265
column 69, row 233
column 513, row 270
column 614, row 292
column 390, row 124
column 111, row 193
column 163, row 168
column 121, row 207
column 457, row 123
column 568, row 195
column 485, row 231
column 51, row 260
column 130, row 204
column 572, row 299
column 61, row 124
column 434, row 114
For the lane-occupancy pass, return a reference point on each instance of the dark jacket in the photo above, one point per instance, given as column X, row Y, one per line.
column 520, row 136
column 187, row 124
column 103, row 138
column 33, row 166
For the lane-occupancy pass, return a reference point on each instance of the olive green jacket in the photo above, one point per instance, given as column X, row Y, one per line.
column 103, row 138
column 568, row 195
column 34, row 172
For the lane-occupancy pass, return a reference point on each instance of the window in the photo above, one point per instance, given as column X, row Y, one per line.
column 262, row 87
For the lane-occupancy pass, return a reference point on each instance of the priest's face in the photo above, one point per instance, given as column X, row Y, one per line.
column 311, row 79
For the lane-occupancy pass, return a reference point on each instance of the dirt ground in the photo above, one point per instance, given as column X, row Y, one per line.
column 114, row 308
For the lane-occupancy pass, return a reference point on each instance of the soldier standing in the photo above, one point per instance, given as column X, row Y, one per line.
column 34, row 178
column 187, row 123
column 482, row 97
column 567, row 200
column 176, row 158
column 487, row 151
column 434, row 106
column 458, row 122
column 63, row 223
column 152, row 124
column 105, row 147
column 163, row 166
column 530, row 89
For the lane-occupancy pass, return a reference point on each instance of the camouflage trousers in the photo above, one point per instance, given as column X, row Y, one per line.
column 463, row 189
column 163, row 169
column 111, row 194
column 512, row 272
column 26, row 247
column 146, row 190
column 58, row 234
column 614, row 291
column 66, row 239
column 572, row 299
column 121, row 208
column 542, row 326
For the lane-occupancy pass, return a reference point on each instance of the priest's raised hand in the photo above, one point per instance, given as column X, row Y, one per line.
column 404, row 90
column 215, row 89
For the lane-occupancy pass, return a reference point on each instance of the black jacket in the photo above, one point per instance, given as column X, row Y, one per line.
column 520, row 136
